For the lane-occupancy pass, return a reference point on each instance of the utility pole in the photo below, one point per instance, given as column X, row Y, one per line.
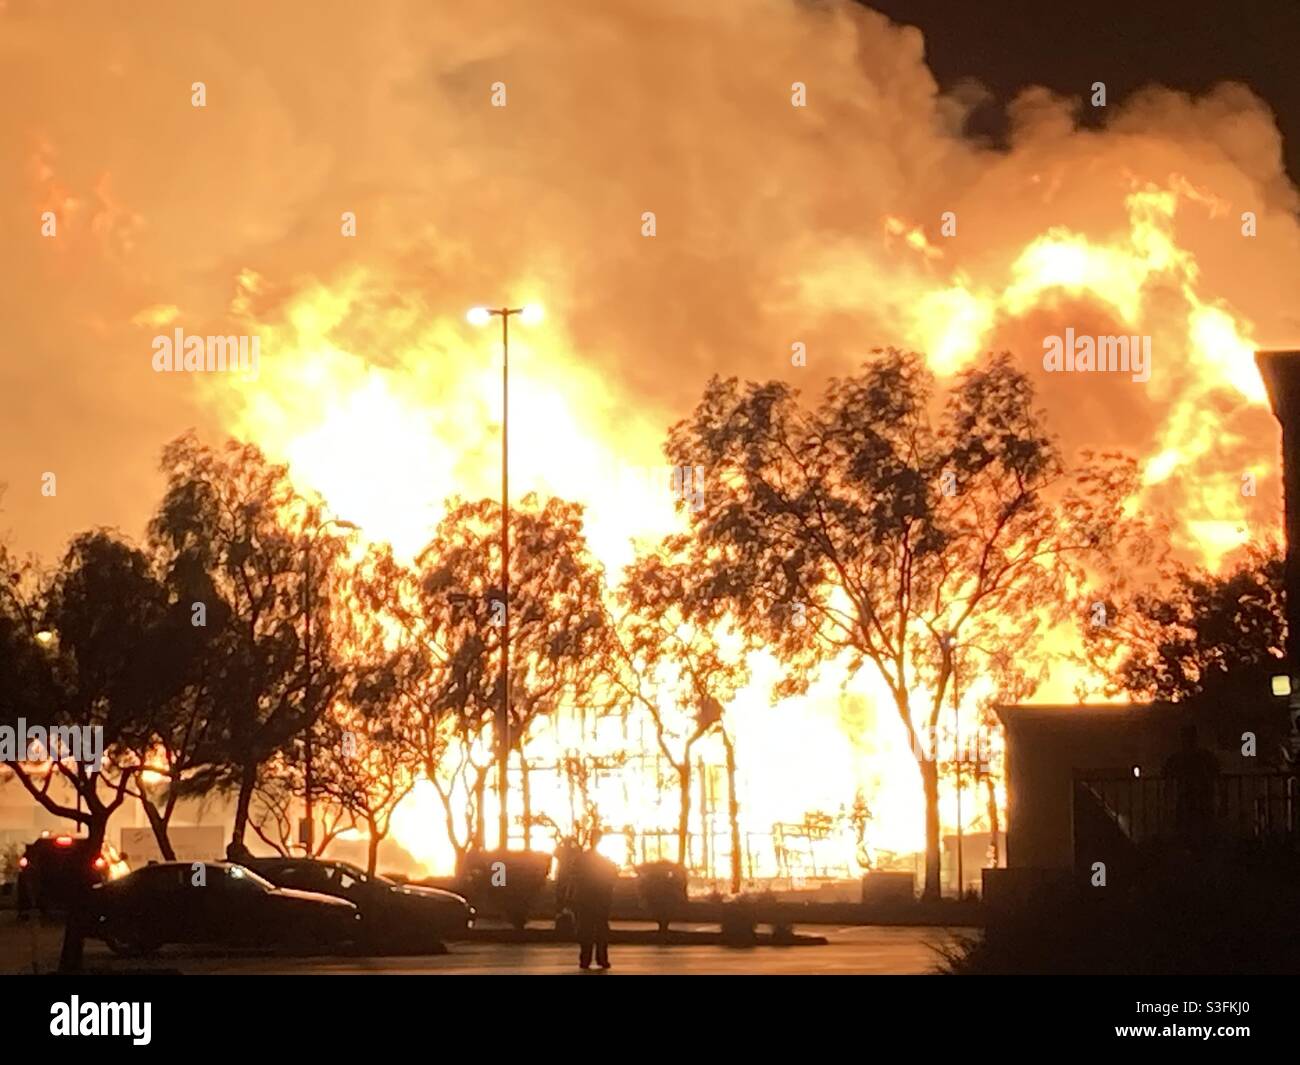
column 480, row 316
column 503, row 723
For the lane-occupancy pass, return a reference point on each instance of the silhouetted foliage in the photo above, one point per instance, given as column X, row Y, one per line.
column 1210, row 641
column 870, row 531
column 365, row 764
column 677, row 664
column 559, row 634
column 234, row 536
column 93, row 644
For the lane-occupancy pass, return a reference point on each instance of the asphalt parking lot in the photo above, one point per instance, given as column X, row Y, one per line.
column 850, row 949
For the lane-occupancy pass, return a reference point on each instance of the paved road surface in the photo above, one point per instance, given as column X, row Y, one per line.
column 852, row 949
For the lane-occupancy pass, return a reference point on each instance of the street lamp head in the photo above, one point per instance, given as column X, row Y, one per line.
column 531, row 314
column 478, row 316
column 45, row 637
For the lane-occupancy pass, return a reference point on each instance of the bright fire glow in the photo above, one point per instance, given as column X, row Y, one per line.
column 387, row 443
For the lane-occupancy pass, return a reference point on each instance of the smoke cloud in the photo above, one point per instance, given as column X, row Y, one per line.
column 775, row 224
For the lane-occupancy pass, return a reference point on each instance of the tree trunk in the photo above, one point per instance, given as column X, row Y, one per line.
column 372, row 849
column 684, row 812
column 527, row 792
column 72, row 956
column 480, row 821
column 245, row 800
column 461, row 849
column 733, row 814
column 159, row 825
column 930, row 781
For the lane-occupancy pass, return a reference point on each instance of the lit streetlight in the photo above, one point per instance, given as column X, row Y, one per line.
column 530, row 314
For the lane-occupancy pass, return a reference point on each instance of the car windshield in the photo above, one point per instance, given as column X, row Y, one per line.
column 360, row 874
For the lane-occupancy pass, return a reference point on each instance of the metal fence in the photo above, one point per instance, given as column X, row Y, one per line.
column 1243, row 806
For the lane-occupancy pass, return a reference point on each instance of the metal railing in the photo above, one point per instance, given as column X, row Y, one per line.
column 1232, row 805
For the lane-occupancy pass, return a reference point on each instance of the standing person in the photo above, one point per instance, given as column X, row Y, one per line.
column 238, row 853
column 1195, row 773
column 593, row 895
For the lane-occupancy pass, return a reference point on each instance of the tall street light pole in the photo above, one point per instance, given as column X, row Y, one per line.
column 481, row 316
column 308, row 781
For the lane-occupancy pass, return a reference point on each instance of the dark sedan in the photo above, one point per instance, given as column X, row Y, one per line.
column 395, row 915
column 216, row 903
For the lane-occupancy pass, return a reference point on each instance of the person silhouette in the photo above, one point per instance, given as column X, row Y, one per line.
column 593, row 896
column 1194, row 771
column 237, row 852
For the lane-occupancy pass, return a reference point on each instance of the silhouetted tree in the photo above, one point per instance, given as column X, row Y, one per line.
column 409, row 648
column 1211, row 641
column 679, row 667
column 364, row 769
column 80, row 648
column 234, row 535
column 367, row 767
column 170, row 753
column 276, row 805
column 878, row 529
column 90, row 645
column 559, row 626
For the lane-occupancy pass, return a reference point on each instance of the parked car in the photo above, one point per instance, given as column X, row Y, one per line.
column 514, row 895
column 216, row 903
column 53, row 870
column 394, row 914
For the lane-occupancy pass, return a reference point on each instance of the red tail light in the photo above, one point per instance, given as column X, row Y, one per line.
column 100, row 863
column 63, row 841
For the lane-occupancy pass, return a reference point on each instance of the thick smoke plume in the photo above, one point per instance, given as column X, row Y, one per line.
column 775, row 224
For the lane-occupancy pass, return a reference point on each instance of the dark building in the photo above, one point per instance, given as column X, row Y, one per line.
column 1082, row 780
